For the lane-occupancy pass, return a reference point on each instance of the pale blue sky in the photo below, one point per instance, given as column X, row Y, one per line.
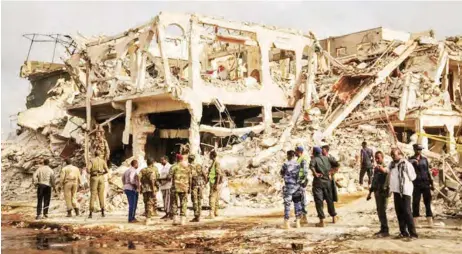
column 93, row 18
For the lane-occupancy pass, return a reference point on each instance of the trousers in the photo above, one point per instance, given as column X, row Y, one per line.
column 166, row 197
column 213, row 199
column 295, row 196
column 43, row 198
column 132, row 197
column 320, row 193
column 70, row 195
column 418, row 192
column 181, row 201
column 381, row 202
column 97, row 186
column 196, row 197
column 149, row 199
column 403, row 212
column 363, row 171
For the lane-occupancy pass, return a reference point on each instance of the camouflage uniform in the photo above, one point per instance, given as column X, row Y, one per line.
column 181, row 178
column 197, row 186
column 214, row 172
column 149, row 187
column 292, row 190
column 97, row 169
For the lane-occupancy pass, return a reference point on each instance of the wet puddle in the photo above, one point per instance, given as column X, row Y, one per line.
column 24, row 240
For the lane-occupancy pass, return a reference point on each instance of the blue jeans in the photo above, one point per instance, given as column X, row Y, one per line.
column 132, row 197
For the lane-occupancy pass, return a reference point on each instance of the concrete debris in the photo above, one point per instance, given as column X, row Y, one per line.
column 240, row 89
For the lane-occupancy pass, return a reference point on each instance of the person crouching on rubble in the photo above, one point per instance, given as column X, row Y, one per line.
column 44, row 179
column 401, row 176
column 423, row 185
column 381, row 193
column 292, row 190
column 131, row 184
column 303, row 178
column 321, row 167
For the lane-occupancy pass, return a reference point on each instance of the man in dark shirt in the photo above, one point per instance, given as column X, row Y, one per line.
column 366, row 160
column 321, row 167
column 423, row 184
column 381, row 193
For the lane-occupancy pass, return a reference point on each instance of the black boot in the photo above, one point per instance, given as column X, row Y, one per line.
column 69, row 213
column 77, row 213
column 89, row 216
column 102, row 213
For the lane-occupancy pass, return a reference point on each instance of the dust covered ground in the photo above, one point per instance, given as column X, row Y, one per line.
column 237, row 230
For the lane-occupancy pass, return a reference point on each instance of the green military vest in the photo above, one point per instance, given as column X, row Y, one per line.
column 301, row 173
column 213, row 173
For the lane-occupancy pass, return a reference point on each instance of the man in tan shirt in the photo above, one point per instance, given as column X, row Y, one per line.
column 70, row 180
column 44, row 180
column 97, row 169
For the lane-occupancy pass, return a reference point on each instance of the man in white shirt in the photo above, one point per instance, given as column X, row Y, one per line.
column 401, row 176
column 165, row 186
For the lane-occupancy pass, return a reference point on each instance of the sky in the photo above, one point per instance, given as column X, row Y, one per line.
column 96, row 18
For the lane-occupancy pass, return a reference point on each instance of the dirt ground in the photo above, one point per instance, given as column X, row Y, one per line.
column 249, row 230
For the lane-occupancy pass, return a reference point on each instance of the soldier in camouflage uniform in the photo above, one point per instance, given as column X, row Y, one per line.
column 215, row 177
column 97, row 169
column 149, row 186
column 198, row 177
column 180, row 174
column 100, row 144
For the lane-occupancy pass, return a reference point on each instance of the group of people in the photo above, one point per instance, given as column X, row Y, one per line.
column 295, row 173
column 407, row 179
column 176, row 182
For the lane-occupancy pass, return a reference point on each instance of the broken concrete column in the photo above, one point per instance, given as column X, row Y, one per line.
column 311, row 75
column 195, row 109
column 141, row 128
column 404, row 98
column 161, row 40
column 451, row 141
column 128, row 116
column 267, row 116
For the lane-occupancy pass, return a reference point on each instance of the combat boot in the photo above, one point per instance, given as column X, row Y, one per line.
column 69, row 213
column 175, row 220
column 320, row 224
column 304, row 220
column 102, row 213
column 286, row 224
column 77, row 213
column 183, row 220
column 216, row 212
column 211, row 215
column 430, row 221
column 335, row 219
column 89, row 215
column 196, row 219
column 297, row 223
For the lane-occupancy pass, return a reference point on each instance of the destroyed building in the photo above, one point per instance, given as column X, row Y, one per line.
column 240, row 88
